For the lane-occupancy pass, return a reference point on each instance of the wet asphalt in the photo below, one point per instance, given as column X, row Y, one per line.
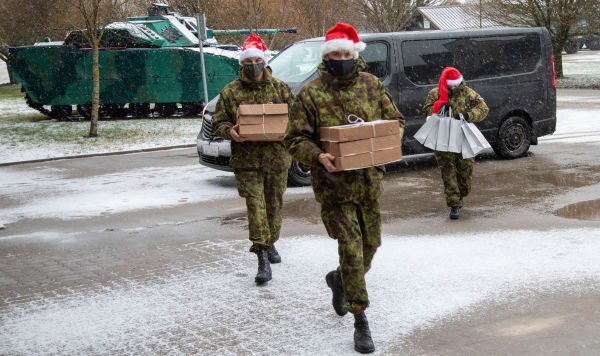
column 556, row 186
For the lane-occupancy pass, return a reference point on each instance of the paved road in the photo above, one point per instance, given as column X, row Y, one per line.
column 86, row 269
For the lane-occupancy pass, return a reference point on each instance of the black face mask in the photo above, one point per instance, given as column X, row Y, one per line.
column 339, row 67
column 453, row 91
column 253, row 70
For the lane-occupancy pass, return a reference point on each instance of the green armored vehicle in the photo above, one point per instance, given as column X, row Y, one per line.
column 147, row 64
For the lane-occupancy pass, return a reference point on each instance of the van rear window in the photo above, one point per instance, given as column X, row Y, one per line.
column 474, row 57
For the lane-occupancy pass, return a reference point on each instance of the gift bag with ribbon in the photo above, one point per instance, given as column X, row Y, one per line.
column 474, row 139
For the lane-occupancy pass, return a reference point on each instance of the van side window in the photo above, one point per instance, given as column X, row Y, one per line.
column 376, row 57
column 475, row 57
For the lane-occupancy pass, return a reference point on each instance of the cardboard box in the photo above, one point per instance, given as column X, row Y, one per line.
column 262, row 122
column 354, row 132
column 341, row 149
column 363, row 160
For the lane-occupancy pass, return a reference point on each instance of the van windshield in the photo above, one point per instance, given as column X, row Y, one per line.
column 297, row 62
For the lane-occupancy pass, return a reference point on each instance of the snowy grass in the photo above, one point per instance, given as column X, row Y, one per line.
column 26, row 134
column 581, row 70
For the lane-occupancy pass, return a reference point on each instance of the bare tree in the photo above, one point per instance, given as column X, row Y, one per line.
column 26, row 22
column 96, row 14
column 316, row 17
column 388, row 15
column 557, row 16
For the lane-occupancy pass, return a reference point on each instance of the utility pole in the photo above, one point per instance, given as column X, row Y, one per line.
column 201, row 28
column 480, row 24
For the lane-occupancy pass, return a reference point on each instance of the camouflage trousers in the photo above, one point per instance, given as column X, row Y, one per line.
column 456, row 174
column 263, row 190
column 357, row 229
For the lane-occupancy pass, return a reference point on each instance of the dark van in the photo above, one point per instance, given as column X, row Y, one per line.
column 511, row 68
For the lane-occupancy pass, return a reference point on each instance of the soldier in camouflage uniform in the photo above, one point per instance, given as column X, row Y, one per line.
column 452, row 93
column 349, row 199
column 260, row 167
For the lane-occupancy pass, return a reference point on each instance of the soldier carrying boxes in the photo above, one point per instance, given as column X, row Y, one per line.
column 258, row 156
column 349, row 199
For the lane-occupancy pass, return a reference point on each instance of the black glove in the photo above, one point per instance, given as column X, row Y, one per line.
column 445, row 108
column 462, row 115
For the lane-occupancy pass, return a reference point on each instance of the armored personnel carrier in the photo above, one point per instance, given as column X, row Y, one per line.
column 149, row 64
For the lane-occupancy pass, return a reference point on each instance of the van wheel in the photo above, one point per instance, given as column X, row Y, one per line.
column 514, row 138
column 298, row 174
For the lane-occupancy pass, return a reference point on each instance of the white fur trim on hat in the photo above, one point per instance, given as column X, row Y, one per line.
column 253, row 52
column 454, row 82
column 341, row 44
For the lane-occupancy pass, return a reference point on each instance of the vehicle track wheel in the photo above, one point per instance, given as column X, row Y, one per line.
column 85, row 110
column 191, row 109
column 166, row 109
column 115, row 110
column 298, row 174
column 514, row 138
column 61, row 112
column 139, row 110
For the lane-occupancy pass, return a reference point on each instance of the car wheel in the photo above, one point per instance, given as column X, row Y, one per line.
column 514, row 138
column 298, row 174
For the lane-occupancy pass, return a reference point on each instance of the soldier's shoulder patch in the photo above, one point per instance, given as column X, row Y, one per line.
column 479, row 98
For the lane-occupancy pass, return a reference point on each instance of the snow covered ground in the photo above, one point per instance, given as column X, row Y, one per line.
column 107, row 194
column 214, row 308
column 211, row 307
column 583, row 63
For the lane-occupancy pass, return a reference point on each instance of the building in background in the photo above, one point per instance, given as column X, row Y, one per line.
column 447, row 18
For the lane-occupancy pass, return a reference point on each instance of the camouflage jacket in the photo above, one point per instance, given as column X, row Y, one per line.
column 252, row 155
column 327, row 101
column 466, row 100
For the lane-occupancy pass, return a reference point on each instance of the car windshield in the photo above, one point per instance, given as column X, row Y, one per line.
column 297, row 62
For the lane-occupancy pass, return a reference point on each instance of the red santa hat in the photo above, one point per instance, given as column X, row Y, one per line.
column 450, row 76
column 254, row 46
column 342, row 37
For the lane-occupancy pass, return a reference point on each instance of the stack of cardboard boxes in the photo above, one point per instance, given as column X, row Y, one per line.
column 363, row 145
column 262, row 122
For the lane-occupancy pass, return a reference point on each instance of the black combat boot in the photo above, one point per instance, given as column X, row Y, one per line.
column 264, row 268
column 333, row 281
column 273, row 255
column 363, row 342
column 454, row 212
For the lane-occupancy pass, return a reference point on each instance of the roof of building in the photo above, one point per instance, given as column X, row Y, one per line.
column 455, row 17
